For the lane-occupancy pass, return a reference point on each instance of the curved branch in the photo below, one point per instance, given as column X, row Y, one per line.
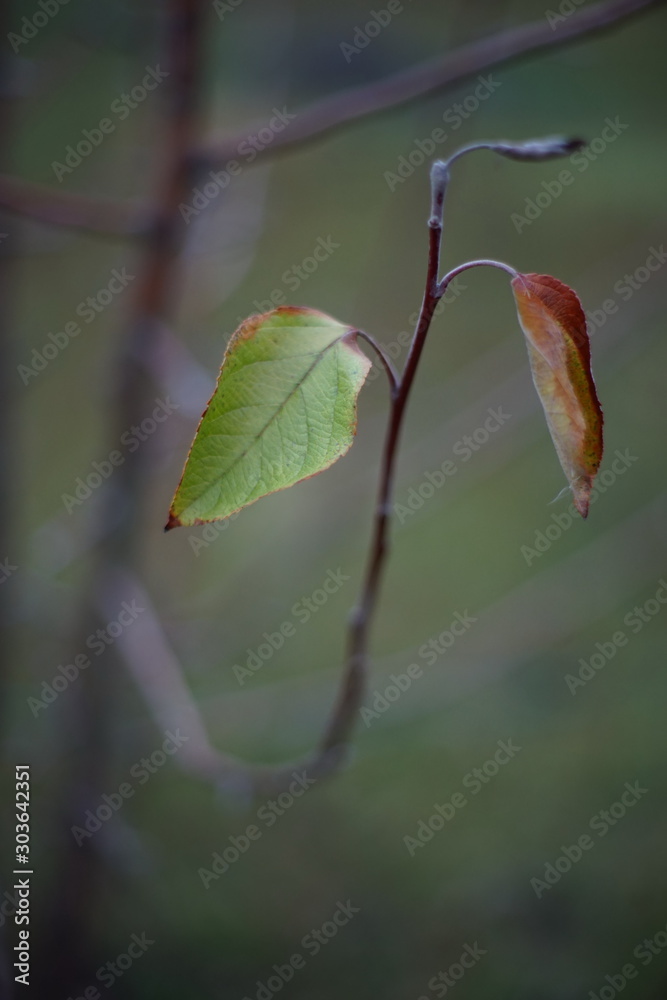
column 392, row 374
column 442, row 285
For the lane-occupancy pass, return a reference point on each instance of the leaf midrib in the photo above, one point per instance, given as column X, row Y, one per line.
column 298, row 385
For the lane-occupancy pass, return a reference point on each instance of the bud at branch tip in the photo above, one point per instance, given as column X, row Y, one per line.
column 439, row 181
column 547, row 148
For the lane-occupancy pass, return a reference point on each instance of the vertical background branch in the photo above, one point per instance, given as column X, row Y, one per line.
column 77, row 898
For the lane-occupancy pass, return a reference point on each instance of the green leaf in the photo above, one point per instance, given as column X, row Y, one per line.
column 284, row 409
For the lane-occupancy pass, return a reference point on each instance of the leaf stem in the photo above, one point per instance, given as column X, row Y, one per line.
column 392, row 374
column 442, row 287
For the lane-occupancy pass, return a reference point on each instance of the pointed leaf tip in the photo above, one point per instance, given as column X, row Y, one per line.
column 172, row 522
column 554, row 325
column 284, row 409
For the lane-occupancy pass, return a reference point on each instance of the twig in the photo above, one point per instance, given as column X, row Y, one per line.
column 353, row 684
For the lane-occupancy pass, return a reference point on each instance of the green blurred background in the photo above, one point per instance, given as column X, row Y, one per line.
column 461, row 551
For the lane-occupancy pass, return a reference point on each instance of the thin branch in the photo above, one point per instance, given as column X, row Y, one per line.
column 118, row 219
column 346, row 709
column 442, row 286
column 341, row 109
column 386, row 361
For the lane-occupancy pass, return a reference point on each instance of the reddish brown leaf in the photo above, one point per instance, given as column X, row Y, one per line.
column 554, row 324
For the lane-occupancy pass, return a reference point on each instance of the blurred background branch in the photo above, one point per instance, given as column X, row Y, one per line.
column 122, row 219
column 90, row 726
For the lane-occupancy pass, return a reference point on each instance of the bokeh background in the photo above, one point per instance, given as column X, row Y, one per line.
column 210, row 597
